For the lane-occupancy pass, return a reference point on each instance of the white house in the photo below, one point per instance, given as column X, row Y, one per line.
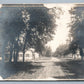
column 20, row 56
column 36, row 55
column 28, row 55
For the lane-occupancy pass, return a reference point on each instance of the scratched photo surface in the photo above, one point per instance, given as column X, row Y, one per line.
column 42, row 42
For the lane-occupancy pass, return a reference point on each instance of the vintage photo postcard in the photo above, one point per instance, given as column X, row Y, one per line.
column 41, row 42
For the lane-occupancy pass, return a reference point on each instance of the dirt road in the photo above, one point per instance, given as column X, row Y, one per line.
column 50, row 69
column 44, row 69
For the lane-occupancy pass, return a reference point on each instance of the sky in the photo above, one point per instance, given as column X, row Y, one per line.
column 62, row 29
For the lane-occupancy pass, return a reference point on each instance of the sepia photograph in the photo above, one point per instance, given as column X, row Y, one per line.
column 41, row 42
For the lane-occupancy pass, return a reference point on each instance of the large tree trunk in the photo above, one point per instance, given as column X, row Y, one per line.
column 23, row 56
column 16, row 50
column 24, row 50
column 81, row 53
column 81, row 58
column 11, row 53
column 17, row 55
column 14, row 55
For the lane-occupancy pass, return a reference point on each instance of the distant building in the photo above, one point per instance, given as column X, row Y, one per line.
column 28, row 55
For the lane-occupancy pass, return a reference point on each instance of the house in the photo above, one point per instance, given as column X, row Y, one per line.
column 20, row 57
column 28, row 55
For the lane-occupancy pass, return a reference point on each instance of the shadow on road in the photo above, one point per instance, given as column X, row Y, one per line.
column 10, row 69
column 73, row 69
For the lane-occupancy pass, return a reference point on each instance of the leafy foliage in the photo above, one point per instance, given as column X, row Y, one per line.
column 77, row 29
column 26, row 28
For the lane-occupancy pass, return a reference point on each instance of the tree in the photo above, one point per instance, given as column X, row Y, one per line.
column 62, row 50
column 13, row 26
column 27, row 27
column 77, row 28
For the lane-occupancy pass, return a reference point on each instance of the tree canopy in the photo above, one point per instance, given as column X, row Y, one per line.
column 26, row 27
column 77, row 28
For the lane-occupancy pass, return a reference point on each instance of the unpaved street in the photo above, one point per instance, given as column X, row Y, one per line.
column 50, row 70
column 46, row 68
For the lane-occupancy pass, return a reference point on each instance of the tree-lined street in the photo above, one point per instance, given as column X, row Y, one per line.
column 44, row 69
column 42, row 42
